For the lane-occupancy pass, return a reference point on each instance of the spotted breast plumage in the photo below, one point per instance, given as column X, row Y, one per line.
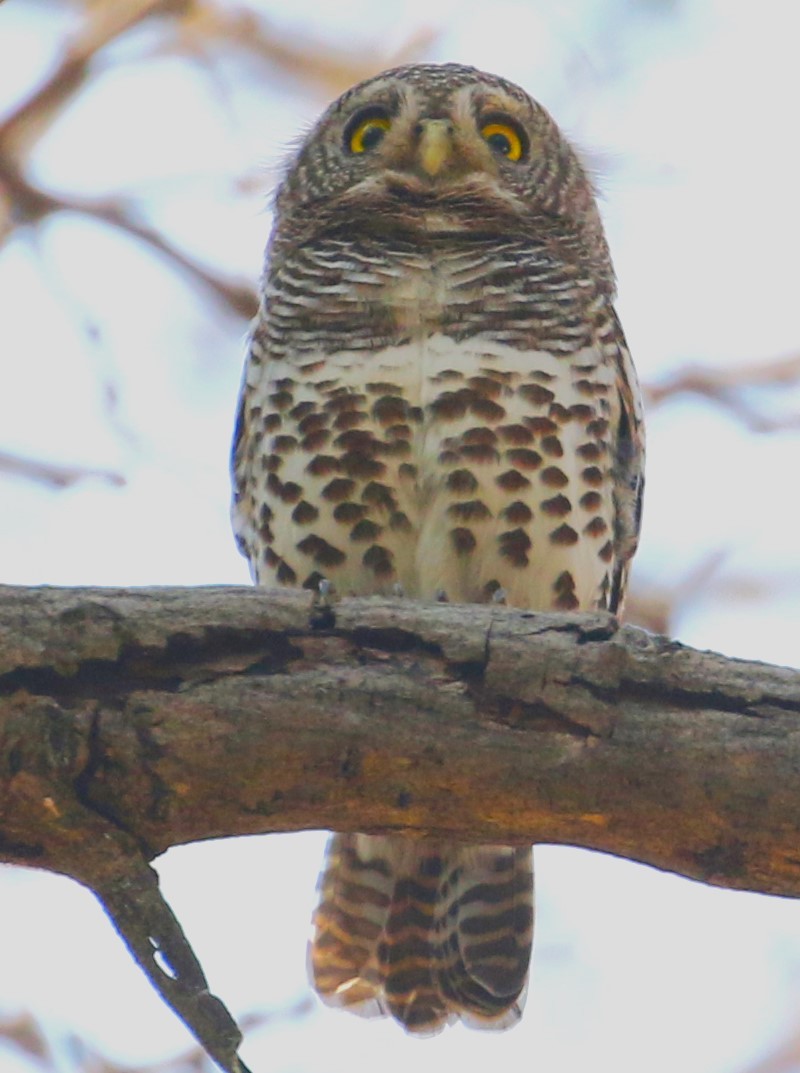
column 438, row 401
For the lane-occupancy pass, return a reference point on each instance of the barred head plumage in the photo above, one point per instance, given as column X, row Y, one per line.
column 446, row 146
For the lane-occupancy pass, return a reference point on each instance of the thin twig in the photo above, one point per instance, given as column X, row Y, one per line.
column 53, row 474
column 726, row 386
column 23, row 125
column 34, row 204
column 311, row 63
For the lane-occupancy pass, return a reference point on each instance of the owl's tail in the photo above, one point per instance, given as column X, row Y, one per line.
column 425, row 932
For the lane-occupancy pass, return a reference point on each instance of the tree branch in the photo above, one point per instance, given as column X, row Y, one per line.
column 730, row 388
column 54, row 474
column 171, row 715
column 131, row 721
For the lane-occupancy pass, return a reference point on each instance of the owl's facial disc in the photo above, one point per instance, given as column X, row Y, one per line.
column 441, row 163
column 429, row 143
column 423, row 146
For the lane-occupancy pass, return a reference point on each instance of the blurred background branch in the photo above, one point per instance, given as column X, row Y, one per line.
column 731, row 388
column 24, row 1033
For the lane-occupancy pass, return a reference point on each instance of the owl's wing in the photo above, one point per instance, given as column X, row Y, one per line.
column 242, row 450
column 238, row 516
column 628, row 469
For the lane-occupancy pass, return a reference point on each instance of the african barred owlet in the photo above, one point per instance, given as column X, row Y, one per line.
column 438, row 401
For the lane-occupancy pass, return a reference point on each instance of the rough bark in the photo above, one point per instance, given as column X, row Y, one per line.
column 173, row 715
column 131, row 721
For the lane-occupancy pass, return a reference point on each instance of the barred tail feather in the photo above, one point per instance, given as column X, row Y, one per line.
column 486, row 934
column 355, row 894
column 424, row 932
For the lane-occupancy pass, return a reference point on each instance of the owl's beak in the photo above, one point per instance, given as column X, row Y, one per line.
column 435, row 144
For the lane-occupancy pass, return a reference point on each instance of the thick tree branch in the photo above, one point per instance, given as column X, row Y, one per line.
column 170, row 715
column 131, row 721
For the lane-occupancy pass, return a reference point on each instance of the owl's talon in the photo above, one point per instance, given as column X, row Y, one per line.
column 441, row 597
column 324, row 588
column 322, row 615
column 499, row 596
column 398, row 590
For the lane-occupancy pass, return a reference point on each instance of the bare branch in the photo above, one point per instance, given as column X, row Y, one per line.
column 131, row 721
column 726, row 387
column 53, row 474
column 156, row 941
column 311, row 63
column 24, row 1032
column 33, row 204
column 186, row 714
column 196, row 25
column 102, row 25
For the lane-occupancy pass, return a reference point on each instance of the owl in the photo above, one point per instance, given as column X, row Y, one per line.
column 438, row 403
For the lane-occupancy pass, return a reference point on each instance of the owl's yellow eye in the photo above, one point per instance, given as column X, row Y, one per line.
column 503, row 139
column 367, row 133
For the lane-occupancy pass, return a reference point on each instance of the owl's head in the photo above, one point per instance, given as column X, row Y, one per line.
column 435, row 149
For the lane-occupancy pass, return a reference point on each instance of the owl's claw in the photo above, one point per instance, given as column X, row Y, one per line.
column 442, row 597
column 322, row 615
column 324, row 588
column 499, row 596
column 398, row 590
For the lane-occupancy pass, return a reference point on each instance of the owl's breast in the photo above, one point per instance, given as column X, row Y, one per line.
column 367, row 294
column 417, row 299
column 512, row 292
column 438, row 417
column 439, row 466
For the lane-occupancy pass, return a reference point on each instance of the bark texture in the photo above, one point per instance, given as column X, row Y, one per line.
column 134, row 720
column 162, row 716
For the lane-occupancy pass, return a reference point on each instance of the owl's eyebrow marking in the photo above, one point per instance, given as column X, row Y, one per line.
column 386, row 101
